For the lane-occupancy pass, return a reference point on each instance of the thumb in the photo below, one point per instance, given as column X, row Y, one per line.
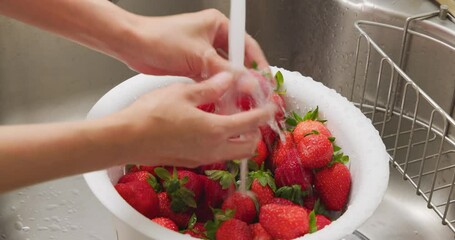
column 211, row 89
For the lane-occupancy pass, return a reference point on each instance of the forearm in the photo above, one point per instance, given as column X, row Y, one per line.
column 98, row 24
column 36, row 153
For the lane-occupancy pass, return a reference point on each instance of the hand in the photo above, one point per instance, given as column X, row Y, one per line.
column 166, row 130
column 185, row 45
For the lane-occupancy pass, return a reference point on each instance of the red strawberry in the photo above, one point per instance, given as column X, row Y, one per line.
column 268, row 136
column 261, row 153
column 307, row 127
column 315, row 151
column 244, row 206
column 233, row 229
column 264, row 82
column 291, row 173
column 333, row 185
column 141, row 196
column 167, row 223
column 284, row 151
column 262, row 185
column 132, row 168
column 209, row 107
column 259, row 233
column 322, row 221
column 184, row 188
column 310, row 200
column 245, row 102
column 140, row 176
column 282, row 201
column 284, row 222
column 197, row 232
column 281, row 104
column 181, row 219
column 263, row 193
column 150, row 169
column 213, row 166
column 194, row 183
column 215, row 194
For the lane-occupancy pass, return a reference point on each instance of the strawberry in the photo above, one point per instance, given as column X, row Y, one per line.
column 132, row 168
column 292, row 172
column 140, row 176
column 213, row 166
column 195, row 229
column 317, row 221
column 315, row 151
column 184, row 188
column 284, row 222
column 233, row 229
column 281, row 105
column 141, row 196
column 261, row 153
column 310, row 200
column 259, row 233
column 167, row 223
column 307, row 127
column 218, row 185
column 245, row 102
column 268, row 136
column 213, row 198
column 333, row 185
column 263, row 193
column 244, row 206
column 262, row 184
column 281, row 201
column 284, row 151
column 322, row 221
column 209, row 107
column 165, row 210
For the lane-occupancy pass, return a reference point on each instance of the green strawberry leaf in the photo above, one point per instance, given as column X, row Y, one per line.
column 154, row 183
column 297, row 117
column 184, row 180
column 312, row 115
column 279, row 83
column 319, row 208
column 331, row 139
column 292, row 193
column 313, row 227
column 225, row 178
column 162, row 173
column 340, row 158
column 192, row 221
column 264, row 178
column 336, row 148
column 313, row 132
column 254, row 65
column 291, row 122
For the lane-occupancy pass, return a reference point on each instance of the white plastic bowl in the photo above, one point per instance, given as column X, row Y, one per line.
column 353, row 131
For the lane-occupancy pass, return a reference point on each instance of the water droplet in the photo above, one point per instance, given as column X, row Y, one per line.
column 51, row 206
column 55, row 227
column 13, row 208
column 18, row 225
column 26, row 229
column 43, row 228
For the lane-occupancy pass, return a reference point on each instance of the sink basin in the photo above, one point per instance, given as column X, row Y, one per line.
column 316, row 38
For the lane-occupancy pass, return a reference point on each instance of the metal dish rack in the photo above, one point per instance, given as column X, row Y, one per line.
column 418, row 133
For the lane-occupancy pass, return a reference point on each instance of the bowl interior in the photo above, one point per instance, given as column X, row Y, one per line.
column 353, row 131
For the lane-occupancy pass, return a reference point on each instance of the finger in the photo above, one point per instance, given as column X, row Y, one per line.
column 254, row 53
column 211, row 89
column 213, row 63
column 245, row 122
column 241, row 149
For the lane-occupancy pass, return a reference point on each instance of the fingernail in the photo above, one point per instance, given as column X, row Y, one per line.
column 223, row 79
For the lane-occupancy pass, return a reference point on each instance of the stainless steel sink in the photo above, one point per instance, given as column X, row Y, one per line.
column 44, row 78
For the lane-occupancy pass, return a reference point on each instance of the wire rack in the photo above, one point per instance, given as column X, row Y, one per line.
column 416, row 130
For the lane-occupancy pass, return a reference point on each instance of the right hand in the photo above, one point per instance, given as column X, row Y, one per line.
column 165, row 127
